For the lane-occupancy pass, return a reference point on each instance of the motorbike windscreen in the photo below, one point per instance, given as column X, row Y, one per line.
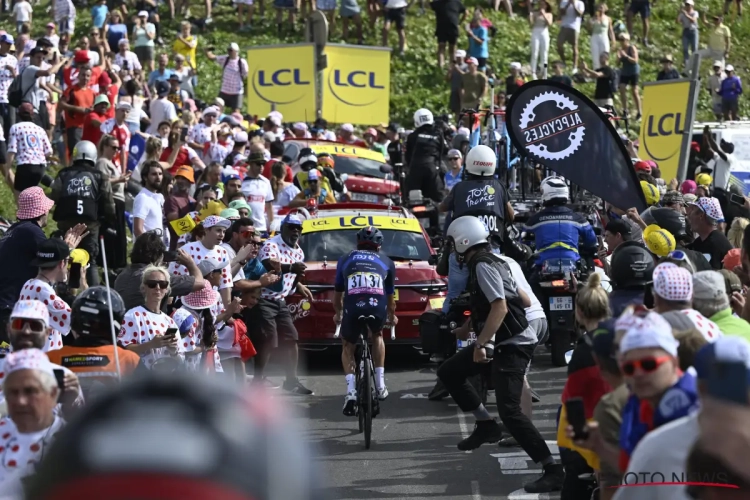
column 332, row 245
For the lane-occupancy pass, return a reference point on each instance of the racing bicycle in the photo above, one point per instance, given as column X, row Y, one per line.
column 368, row 404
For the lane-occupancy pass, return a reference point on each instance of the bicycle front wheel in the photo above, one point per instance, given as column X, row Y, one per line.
column 366, row 399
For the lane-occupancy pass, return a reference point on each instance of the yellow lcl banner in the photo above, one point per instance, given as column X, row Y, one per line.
column 356, row 85
column 664, row 122
column 282, row 78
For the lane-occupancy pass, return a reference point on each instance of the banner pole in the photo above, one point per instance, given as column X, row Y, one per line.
column 694, row 75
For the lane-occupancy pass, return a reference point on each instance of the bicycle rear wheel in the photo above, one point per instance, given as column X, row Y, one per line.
column 366, row 399
column 359, row 384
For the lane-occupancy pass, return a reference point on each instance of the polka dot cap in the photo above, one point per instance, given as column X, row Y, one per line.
column 708, row 328
column 673, row 283
column 710, row 207
column 28, row 359
column 31, row 309
column 654, row 331
column 215, row 220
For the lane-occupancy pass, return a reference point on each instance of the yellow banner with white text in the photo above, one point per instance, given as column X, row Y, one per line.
column 282, row 78
column 357, row 85
column 664, row 125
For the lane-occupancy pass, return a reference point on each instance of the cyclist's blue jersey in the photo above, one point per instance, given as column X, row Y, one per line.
column 367, row 279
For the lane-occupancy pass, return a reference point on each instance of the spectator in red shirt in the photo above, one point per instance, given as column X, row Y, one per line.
column 81, row 60
column 119, row 128
column 93, row 121
column 77, row 101
column 277, row 152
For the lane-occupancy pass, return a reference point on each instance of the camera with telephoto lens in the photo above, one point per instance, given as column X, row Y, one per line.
column 436, row 327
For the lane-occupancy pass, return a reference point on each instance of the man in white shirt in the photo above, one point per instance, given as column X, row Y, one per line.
column 148, row 207
column 395, row 12
column 571, row 13
column 162, row 110
column 22, row 11
column 257, row 189
column 723, row 159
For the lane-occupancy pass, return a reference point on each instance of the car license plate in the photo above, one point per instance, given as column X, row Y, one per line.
column 370, row 198
column 561, row 303
column 437, row 303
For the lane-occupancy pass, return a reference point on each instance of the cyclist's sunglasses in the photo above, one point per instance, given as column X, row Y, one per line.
column 19, row 324
column 646, row 365
column 160, row 283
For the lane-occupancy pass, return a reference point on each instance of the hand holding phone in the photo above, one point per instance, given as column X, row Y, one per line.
column 171, row 332
column 575, row 410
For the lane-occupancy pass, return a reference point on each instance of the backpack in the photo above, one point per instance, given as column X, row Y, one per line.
column 16, row 95
column 239, row 66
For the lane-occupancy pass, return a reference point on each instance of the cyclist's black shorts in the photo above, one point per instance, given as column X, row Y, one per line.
column 352, row 326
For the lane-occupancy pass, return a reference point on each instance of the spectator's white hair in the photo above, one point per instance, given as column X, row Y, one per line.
column 45, row 379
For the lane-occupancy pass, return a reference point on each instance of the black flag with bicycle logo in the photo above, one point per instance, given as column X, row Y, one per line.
column 557, row 126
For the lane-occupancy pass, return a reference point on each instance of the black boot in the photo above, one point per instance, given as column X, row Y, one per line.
column 551, row 480
column 485, row 431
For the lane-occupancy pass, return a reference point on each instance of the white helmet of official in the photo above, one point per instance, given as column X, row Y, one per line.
column 423, row 117
column 85, row 151
column 481, row 161
column 554, row 187
column 466, row 232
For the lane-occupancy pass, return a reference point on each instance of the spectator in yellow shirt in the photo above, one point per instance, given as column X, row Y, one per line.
column 719, row 40
column 186, row 44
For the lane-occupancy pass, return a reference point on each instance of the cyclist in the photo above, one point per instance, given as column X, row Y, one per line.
column 363, row 280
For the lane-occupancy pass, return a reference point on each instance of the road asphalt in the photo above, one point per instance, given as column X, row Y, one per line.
column 413, row 454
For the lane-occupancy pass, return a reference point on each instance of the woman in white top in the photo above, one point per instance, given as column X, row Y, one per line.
column 540, row 20
column 602, row 34
column 283, row 192
column 144, row 329
column 688, row 18
column 144, row 33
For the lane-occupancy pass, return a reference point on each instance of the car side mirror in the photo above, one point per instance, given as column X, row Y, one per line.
column 433, row 260
column 386, row 169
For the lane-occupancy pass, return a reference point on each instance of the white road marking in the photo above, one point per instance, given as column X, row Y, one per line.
column 414, row 396
column 522, row 495
column 475, row 495
column 517, row 462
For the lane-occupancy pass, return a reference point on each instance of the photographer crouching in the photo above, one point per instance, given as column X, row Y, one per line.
column 498, row 317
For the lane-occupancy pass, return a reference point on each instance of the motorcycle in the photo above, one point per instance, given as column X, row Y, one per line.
column 557, row 281
column 426, row 211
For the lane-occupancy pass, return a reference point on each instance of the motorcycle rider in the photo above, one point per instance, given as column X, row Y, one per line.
column 461, row 143
column 92, row 355
column 557, row 229
column 425, row 148
column 83, row 194
column 482, row 196
column 498, row 317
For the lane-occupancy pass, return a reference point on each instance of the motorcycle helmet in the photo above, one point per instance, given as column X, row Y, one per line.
column 370, row 236
column 553, row 188
column 481, row 161
column 423, row 117
column 459, row 140
column 467, row 231
column 90, row 312
column 85, row 151
column 178, row 436
column 307, row 159
column 632, row 266
column 666, row 218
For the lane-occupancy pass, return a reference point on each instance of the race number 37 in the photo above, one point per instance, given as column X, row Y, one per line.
column 489, row 221
column 365, row 281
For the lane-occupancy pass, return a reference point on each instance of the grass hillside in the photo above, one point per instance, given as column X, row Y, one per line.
column 415, row 79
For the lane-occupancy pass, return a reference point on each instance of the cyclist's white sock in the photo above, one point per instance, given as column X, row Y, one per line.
column 350, row 383
column 379, row 378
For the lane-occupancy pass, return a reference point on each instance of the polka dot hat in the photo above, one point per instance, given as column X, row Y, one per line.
column 28, row 359
column 31, row 309
column 673, row 283
column 711, row 207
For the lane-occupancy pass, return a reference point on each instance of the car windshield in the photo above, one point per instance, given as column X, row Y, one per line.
column 332, row 245
column 351, row 165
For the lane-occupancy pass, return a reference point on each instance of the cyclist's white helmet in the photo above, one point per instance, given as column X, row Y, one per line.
column 481, row 161
column 423, row 117
column 466, row 232
column 554, row 187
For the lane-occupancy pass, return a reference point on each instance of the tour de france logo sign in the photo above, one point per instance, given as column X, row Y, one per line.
column 551, row 126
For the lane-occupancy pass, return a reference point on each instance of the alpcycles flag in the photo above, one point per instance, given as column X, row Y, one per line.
column 357, row 84
column 559, row 127
column 282, row 78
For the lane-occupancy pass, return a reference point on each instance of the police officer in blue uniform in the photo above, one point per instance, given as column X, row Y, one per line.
column 484, row 197
column 557, row 229
column 83, row 194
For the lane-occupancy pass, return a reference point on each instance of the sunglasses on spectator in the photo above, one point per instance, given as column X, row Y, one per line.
column 247, row 234
column 454, row 158
column 21, row 323
column 116, row 148
column 646, row 365
column 160, row 283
